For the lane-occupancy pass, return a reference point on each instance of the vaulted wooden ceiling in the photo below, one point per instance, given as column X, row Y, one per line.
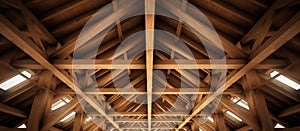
column 258, row 37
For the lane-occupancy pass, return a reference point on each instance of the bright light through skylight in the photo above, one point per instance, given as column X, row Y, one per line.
column 285, row 80
column 279, row 126
column 234, row 116
column 210, row 119
column 60, row 103
column 241, row 102
column 22, row 126
column 68, row 116
column 14, row 80
column 88, row 119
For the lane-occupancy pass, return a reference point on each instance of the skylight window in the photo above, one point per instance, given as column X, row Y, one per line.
column 72, row 114
column 60, row 103
column 210, row 119
column 88, row 119
column 22, row 126
column 241, row 102
column 234, row 116
column 14, row 80
column 283, row 79
column 279, row 126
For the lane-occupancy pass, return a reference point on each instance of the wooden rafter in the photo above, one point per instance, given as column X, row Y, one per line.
column 149, row 26
column 249, row 61
column 12, row 111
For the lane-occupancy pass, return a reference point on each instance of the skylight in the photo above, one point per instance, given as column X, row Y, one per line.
column 22, row 126
column 241, row 102
column 283, row 79
column 279, row 126
column 68, row 116
column 234, row 116
column 60, row 103
column 14, row 80
column 210, row 119
column 88, row 119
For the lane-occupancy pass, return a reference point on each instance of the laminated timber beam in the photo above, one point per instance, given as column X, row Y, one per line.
column 219, row 119
column 149, row 29
column 58, row 114
column 37, row 110
column 12, row 111
column 13, row 34
column 168, row 91
column 284, row 34
column 256, row 29
column 42, row 101
column 79, row 121
column 2, row 128
column 257, row 102
column 244, row 114
column 289, row 111
column 159, row 64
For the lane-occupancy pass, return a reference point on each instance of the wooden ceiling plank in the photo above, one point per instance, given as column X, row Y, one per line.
column 24, row 43
column 149, row 28
column 234, row 11
column 61, row 9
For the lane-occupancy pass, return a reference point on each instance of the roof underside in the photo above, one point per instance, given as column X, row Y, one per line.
column 258, row 37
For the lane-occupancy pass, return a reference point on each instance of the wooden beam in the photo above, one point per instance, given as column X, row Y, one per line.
column 61, row 9
column 202, row 126
column 285, row 33
column 78, row 123
column 58, row 114
column 149, row 23
column 2, row 128
column 219, row 119
column 255, row 30
column 37, row 110
column 12, row 111
column 54, row 129
column 245, row 128
column 228, row 46
column 159, row 64
column 244, row 114
column 41, row 30
column 184, row 90
column 24, row 43
column 144, row 120
column 289, row 111
column 257, row 102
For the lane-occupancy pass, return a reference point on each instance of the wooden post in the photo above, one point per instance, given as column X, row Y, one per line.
column 256, row 101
